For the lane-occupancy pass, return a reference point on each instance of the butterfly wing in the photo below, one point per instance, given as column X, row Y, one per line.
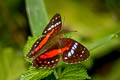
column 38, row 44
column 54, row 25
column 73, row 52
column 49, row 59
column 52, row 28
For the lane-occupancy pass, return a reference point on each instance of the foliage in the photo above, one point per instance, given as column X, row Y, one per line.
column 42, row 73
column 9, row 63
column 34, row 74
column 98, row 28
column 38, row 22
column 74, row 72
column 37, row 16
column 28, row 45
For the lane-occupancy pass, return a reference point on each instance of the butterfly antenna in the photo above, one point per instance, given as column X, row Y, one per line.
column 67, row 31
column 63, row 20
column 70, row 31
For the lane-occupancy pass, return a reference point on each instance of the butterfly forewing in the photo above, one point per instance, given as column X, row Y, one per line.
column 73, row 52
column 54, row 25
column 32, row 52
column 49, row 59
column 46, row 50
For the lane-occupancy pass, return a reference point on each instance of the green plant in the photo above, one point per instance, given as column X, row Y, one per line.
column 38, row 19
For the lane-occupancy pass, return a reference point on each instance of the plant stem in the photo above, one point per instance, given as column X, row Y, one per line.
column 56, row 76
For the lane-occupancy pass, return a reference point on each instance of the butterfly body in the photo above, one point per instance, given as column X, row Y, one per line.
column 52, row 41
column 46, row 51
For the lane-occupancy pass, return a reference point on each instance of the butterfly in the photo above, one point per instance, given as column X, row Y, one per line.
column 46, row 51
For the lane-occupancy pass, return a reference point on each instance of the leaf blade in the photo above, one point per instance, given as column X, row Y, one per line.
column 35, row 74
column 37, row 16
column 74, row 72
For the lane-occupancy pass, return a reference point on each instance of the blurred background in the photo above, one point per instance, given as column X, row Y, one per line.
column 94, row 20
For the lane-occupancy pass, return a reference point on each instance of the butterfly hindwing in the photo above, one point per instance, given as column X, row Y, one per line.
column 73, row 52
column 49, row 59
column 54, row 25
column 46, row 51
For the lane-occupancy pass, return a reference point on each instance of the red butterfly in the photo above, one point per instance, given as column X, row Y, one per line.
column 46, row 50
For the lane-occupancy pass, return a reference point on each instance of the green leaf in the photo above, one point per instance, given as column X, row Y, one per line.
column 32, row 73
column 105, row 40
column 74, row 72
column 35, row 74
column 10, row 61
column 37, row 16
column 38, row 19
column 102, row 47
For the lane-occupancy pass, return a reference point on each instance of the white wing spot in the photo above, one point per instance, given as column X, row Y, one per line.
column 84, row 48
column 56, row 59
column 82, row 52
column 55, row 25
column 76, row 44
column 80, row 55
column 65, row 58
column 52, row 61
column 56, row 18
column 69, row 54
column 49, row 29
column 48, row 62
column 72, row 51
column 52, row 26
column 45, row 31
column 35, row 45
column 37, row 42
column 59, row 16
column 59, row 22
column 73, row 48
column 53, row 20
